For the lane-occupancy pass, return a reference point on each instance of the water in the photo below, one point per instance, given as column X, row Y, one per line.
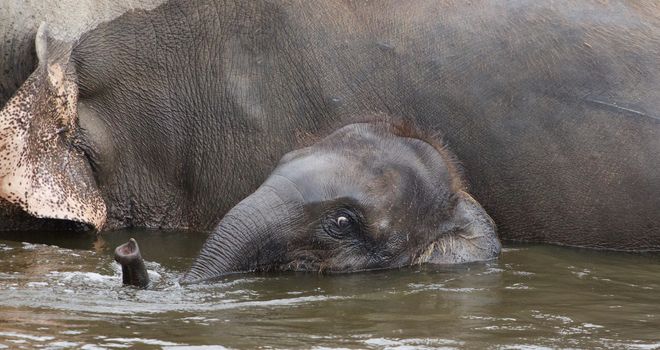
column 67, row 293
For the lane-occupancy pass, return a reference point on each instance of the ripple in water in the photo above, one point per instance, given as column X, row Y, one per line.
column 532, row 298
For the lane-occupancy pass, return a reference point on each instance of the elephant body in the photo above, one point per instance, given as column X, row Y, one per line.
column 551, row 107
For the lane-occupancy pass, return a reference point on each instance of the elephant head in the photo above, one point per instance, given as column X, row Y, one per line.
column 368, row 196
column 43, row 171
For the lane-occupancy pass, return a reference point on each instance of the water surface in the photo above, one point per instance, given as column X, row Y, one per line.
column 65, row 292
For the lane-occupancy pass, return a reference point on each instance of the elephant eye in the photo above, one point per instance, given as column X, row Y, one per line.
column 343, row 221
column 341, row 224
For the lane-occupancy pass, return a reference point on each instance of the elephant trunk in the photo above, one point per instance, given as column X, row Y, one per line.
column 133, row 270
column 245, row 240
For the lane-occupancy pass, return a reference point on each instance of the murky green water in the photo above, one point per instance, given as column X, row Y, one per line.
column 68, row 294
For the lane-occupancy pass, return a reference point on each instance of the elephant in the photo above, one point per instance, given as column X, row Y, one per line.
column 171, row 116
column 368, row 196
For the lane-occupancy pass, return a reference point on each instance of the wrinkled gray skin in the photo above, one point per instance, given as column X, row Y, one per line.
column 133, row 270
column 67, row 20
column 366, row 197
column 183, row 111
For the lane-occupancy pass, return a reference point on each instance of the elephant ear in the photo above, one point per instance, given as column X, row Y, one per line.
column 41, row 170
column 474, row 239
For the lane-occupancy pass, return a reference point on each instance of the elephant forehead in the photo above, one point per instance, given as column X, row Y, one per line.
column 323, row 176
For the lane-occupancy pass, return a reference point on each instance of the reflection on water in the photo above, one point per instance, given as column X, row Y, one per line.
column 67, row 293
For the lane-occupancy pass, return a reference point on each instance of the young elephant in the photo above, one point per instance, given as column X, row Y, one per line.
column 368, row 196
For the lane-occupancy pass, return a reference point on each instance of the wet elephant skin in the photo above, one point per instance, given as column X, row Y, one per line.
column 551, row 107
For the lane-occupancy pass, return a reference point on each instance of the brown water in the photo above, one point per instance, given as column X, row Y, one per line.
column 67, row 293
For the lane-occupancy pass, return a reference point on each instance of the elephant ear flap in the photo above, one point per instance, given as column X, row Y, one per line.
column 41, row 169
column 473, row 239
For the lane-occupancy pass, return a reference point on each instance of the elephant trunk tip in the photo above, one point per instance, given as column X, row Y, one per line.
column 134, row 272
column 194, row 275
column 188, row 279
column 191, row 278
column 127, row 252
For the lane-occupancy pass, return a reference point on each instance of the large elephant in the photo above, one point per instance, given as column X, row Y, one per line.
column 169, row 117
